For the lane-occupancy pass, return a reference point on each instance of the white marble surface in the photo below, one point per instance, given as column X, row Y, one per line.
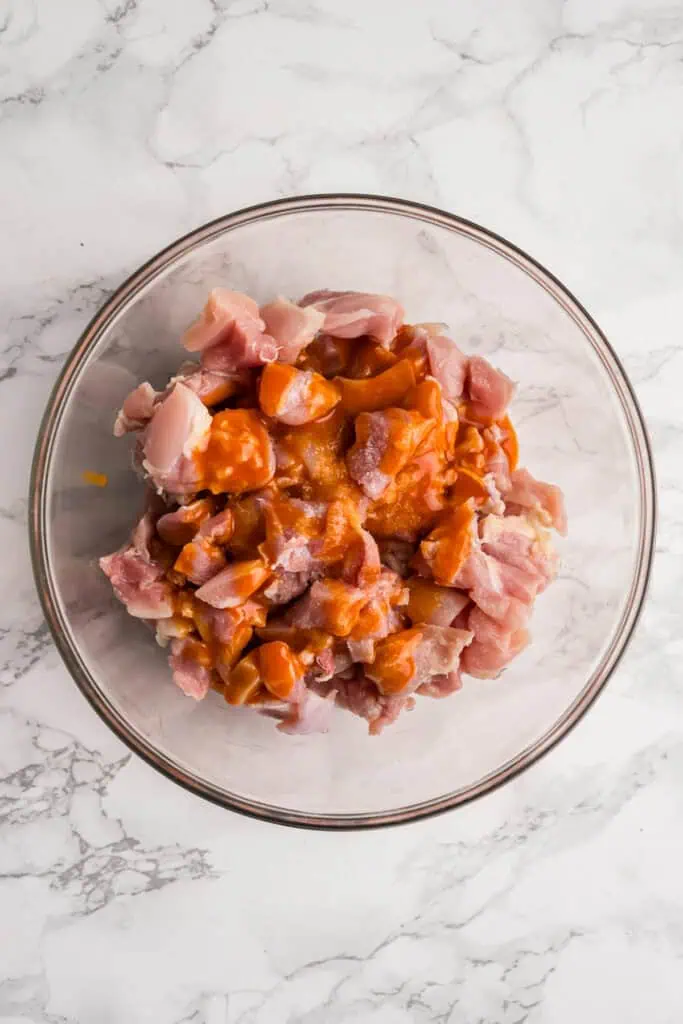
column 124, row 900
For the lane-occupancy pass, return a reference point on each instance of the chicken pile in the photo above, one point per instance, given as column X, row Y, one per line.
column 335, row 513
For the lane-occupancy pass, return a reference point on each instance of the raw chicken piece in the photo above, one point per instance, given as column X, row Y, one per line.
column 137, row 579
column 211, row 386
column 361, row 697
column 379, row 616
column 230, row 333
column 489, row 390
column 520, row 542
column 385, row 443
column 362, row 566
column 331, row 605
column 448, row 365
column 285, row 586
column 353, row 314
column 220, row 625
column 445, row 551
column 190, row 662
column 234, row 584
column 180, row 526
column 544, row 500
column 406, row 660
column 497, row 464
column 137, row 409
column 493, row 647
column 501, row 591
column 292, row 327
column 295, row 397
column 310, row 714
column 200, row 561
column 442, row 685
column 434, row 605
column 293, row 533
column 178, row 431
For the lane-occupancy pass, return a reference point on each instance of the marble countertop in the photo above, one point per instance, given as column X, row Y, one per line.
column 124, row 900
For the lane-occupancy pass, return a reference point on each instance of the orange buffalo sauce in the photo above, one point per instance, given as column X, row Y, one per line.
column 369, row 395
column 509, row 444
column 340, row 607
column 244, row 680
column 425, row 598
column 469, row 484
column 342, row 528
column 279, row 381
column 272, row 670
column 409, row 507
column 394, row 666
column 426, row 399
column 448, row 546
column 239, row 456
column 312, row 456
column 281, row 669
column 406, row 429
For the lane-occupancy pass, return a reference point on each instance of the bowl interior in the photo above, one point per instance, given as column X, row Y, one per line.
column 578, row 427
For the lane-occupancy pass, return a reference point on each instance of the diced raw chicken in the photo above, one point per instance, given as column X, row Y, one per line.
column 218, row 529
column 406, row 660
column 438, row 653
column 442, row 685
column 230, row 333
column 501, row 591
column 240, row 453
column 385, row 443
column 331, row 605
column 365, row 457
column 200, row 561
column 433, row 464
column 137, row 579
column 285, row 586
column 434, row 605
column 234, row 584
column 489, row 390
column 292, row 327
column 448, row 365
column 211, row 386
column 189, row 660
column 178, row 430
column 295, row 397
column 311, row 714
column 497, row 464
column 444, row 552
column 379, row 616
column 175, row 628
column 361, row 697
column 362, row 566
column 219, row 624
column 494, row 646
column 354, row 314
column 520, row 542
column 544, row 500
column 180, row 526
column 293, row 529
column 137, row 409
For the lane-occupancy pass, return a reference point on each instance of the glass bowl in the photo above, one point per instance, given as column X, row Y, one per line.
column 579, row 426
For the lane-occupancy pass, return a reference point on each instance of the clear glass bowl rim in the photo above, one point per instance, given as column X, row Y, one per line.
column 68, row 379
